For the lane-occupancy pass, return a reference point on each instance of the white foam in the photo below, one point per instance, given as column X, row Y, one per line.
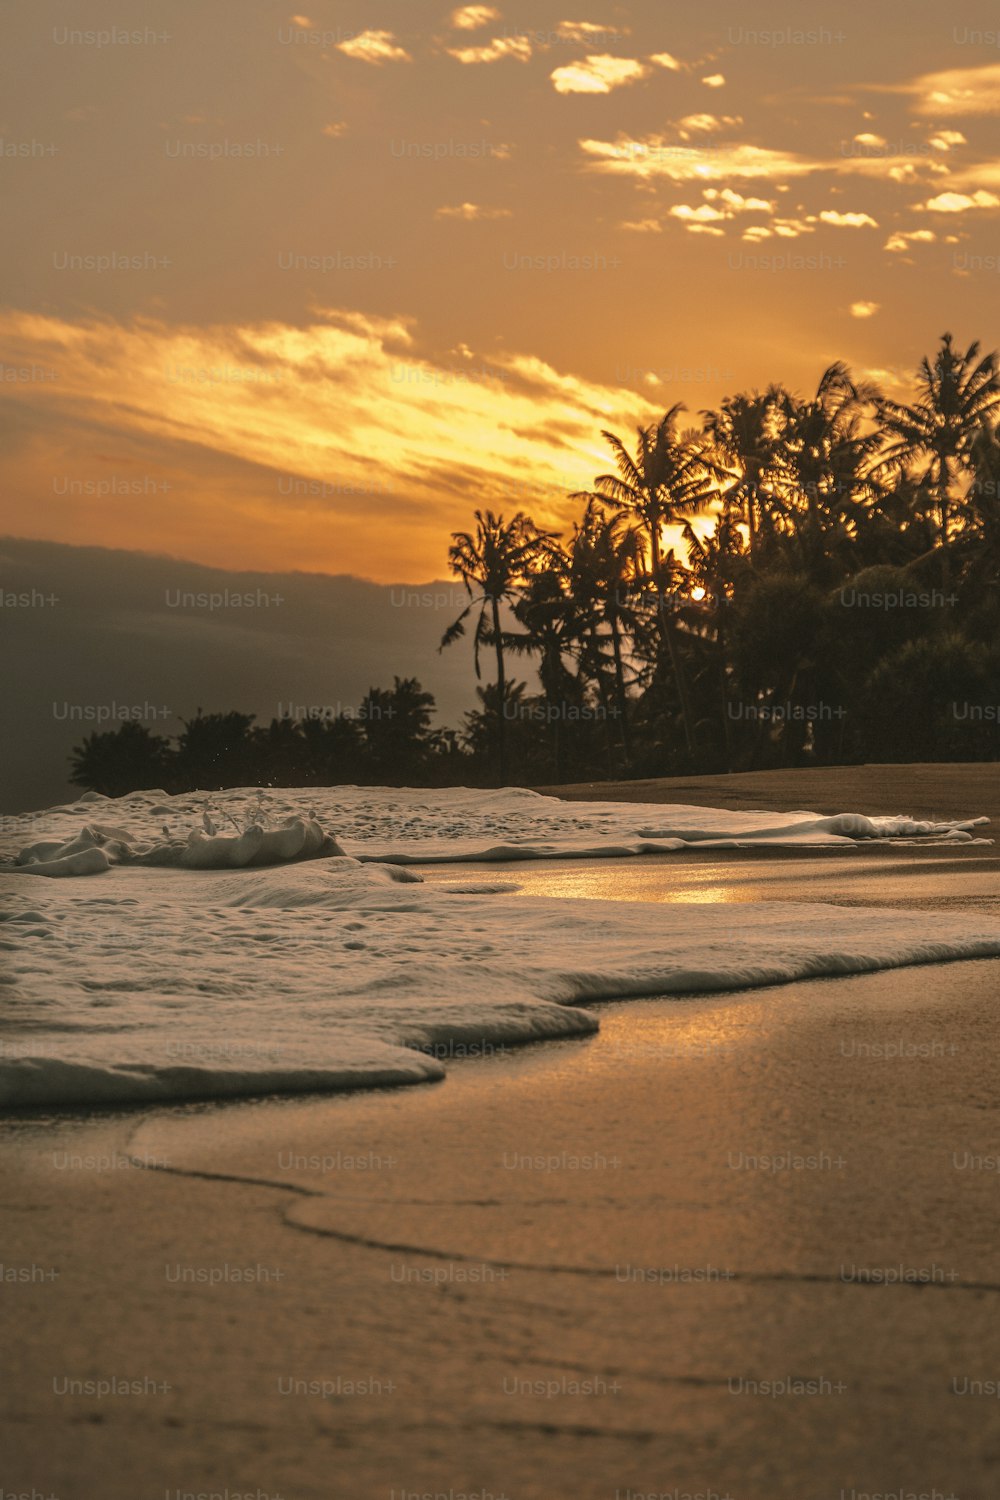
column 406, row 826
column 155, row 984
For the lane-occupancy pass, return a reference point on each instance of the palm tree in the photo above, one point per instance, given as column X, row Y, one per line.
column 480, row 726
column 981, row 539
column 548, row 611
column 217, row 750
column 748, row 435
column 714, row 562
column 492, row 565
column 825, row 445
column 670, row 479
column 395, row 728
column 605, row 573
column 127, row 759
column 956, row 394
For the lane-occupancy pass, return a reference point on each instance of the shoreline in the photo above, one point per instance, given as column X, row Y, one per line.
column 739, row 1243
column 929, row 790
column 466, row 1245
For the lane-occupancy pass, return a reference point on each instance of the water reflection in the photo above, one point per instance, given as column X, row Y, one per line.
column 906, row 879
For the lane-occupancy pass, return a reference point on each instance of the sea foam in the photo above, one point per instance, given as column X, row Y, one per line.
column 159, row 983
column 242, row 827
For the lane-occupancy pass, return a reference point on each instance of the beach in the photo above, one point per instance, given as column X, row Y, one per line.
column 738, row 1243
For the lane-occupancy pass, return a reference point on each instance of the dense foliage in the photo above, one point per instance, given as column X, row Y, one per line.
column 834, row 597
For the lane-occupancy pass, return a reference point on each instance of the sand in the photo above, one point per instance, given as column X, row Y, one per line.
column 919, row 790
column 742, row 1245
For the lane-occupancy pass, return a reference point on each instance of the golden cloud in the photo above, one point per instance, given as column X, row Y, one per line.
column 904, row 238
column 736, row 202
column 589, row 31
column 847, row 220
column 598, row 75
column 705, row 124
column 655, row 157
column 956, row 91
column 960, row 203
column 376, row 47
column 703, row 214
column 472, row 17
column 494, row 51
column 232, row 408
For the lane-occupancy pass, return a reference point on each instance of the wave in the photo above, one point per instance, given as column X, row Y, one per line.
column 410, row 827
column 159, row 984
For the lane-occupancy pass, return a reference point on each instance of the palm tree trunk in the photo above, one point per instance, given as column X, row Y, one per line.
column 721, row 647
column 667, row 639
column 944, row 485
column 620, row 692
column 501, row 697
column 682, row 693
column 752, row 481
column 602, row 693
column 550, row 675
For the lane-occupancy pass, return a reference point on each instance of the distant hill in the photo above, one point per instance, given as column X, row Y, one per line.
column 90, row 633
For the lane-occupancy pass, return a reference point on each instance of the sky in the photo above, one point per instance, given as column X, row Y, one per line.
column 300, row 290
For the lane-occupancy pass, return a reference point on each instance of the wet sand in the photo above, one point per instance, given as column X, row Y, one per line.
column 923, row 791
column 737, row 1245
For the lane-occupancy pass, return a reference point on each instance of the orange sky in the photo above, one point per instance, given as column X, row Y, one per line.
column 302, row 291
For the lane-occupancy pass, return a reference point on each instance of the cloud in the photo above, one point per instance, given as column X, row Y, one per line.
column 946, row 139
column 705, row 124
column 589, row 32
column 470, row 211
column 597, row 75
column 472, row 17
column 376, row 47
column 736, row 202
column 714, row 81
column 703, row 214
column 904, row 238
column 494, row 51
column 657, row 157
column 666, row 60
column 336, row 129
column 864, row 309
column 956, row 91
column 725, row 204
column 848, row 220
column 690, row 151
column 223, row 411
column 960, row 203
column 642, row 226
column 782, row 229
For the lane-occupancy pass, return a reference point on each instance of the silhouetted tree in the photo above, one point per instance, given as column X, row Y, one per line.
column 956, row 394
column 802, row 620
column 216, row 750
column 127, row 759
column 492, row 565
